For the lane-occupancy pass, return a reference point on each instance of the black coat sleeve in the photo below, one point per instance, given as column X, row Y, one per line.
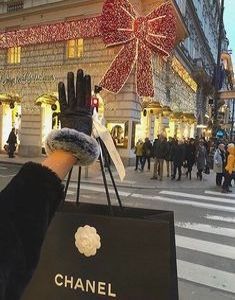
column 27, row 206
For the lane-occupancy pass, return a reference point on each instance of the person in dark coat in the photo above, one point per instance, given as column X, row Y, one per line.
column 201, row 159
column 12, row 142
column 190, row 157
column 147, row 153
column 178, row 159
column 160, row 149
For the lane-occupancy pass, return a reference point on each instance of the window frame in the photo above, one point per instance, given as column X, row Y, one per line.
column 77, row 48
column 15, row 57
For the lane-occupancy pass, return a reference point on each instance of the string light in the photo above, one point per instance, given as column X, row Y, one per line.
column 118, row 25
column 180, row 70
column 140, row 37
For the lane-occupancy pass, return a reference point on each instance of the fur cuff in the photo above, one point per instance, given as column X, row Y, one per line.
column 85, row 148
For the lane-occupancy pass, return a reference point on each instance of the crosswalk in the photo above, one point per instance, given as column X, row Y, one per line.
column 205, row 245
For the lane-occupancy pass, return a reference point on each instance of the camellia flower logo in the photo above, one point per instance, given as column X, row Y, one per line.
column 87, row 240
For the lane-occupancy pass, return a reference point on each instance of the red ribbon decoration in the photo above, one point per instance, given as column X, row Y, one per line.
column 118, row 25
column 140, row 36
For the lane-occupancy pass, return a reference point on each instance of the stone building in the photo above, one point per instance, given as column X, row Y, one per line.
column 226, row 109
column 199, row 52
column 29, row 75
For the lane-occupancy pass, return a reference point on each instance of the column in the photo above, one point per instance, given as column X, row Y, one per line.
column 30, row 141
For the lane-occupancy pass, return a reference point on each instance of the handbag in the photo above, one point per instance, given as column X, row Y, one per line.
column 6, row 147
column 90, row 254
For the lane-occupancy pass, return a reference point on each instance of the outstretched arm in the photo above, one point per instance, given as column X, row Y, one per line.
column 29, row 201
column 60, row 162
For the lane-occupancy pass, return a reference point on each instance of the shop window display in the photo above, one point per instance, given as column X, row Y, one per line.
column 119, row 133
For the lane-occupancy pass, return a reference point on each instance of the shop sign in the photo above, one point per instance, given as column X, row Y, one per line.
column 26, row 78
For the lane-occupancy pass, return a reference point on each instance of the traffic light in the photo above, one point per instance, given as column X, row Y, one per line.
column 95, row 103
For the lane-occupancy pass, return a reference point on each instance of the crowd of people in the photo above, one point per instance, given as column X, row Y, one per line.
column 184, row 154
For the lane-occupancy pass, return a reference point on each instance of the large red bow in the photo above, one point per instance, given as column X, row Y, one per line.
column 140, row 36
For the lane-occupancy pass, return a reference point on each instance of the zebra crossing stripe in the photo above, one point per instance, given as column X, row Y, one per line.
column 219, row 194
column 210, row 277
column 199, row 197
column 186, row 202
column 98, row 189
column 220, row 218
column 205, row 247
column 69, row 192
column 229, row 232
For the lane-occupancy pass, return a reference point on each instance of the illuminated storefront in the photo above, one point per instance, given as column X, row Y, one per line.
column 173, row 112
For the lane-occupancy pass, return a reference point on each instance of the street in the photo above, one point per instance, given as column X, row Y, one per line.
column 204, row 226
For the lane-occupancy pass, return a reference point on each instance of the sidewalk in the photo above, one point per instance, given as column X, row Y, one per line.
column 133, row 179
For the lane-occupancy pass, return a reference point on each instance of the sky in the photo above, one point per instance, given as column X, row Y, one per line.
column 229, row 21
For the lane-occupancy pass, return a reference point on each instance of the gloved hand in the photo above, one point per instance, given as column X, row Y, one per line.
column 76, row 121
column 76, row 109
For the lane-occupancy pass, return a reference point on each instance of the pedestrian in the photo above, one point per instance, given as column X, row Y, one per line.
column 12, row 142
column 139, row 154
column 190, row 156
column 147, row 153
column 229, row 168
column 29, row 201
column 201, row 159
column 160, row 149
column 169, row 157
column 219, row 163
column 178, row 159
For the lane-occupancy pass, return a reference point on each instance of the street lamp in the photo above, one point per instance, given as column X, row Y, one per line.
column 217, row 74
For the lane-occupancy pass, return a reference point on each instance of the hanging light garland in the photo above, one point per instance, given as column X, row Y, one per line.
column 119, row 24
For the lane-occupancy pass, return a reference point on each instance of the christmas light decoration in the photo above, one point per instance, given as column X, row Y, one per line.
column 140, row 36
column 58, row 32
column 119, row 24
column 180, row 70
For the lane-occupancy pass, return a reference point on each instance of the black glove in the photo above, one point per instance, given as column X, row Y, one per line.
column 76, row 121
column 76, row 110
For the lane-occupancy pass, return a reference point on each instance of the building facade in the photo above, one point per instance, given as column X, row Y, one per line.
column 29, row 74
column 200, row 51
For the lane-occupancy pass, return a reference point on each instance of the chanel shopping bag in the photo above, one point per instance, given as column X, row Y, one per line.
column 88, row 254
